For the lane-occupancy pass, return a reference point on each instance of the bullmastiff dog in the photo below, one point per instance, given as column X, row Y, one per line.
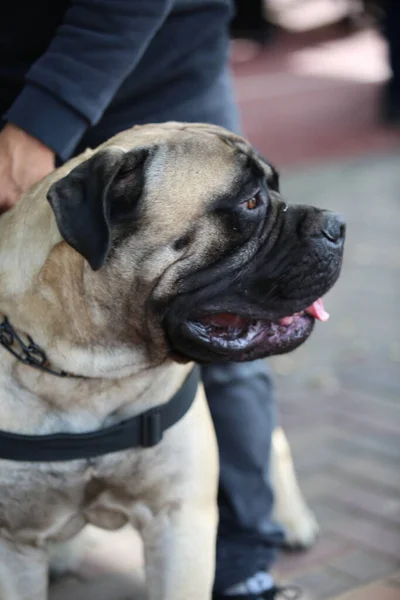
column 169, row 244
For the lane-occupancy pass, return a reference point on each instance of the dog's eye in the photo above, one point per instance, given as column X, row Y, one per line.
column 253, row 202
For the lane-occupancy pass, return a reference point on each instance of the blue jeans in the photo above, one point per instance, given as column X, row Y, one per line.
column 240, row 396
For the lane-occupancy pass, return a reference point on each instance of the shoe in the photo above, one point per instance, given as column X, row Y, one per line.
column 276, row 593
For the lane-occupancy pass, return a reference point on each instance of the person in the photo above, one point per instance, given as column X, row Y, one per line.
column 72, row 74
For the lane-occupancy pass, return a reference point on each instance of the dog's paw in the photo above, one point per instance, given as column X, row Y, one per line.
column 301, row 530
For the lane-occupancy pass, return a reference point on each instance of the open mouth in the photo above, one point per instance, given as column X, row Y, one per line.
column 232, row 334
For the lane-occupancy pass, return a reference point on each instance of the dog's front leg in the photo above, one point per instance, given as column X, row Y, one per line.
column 180, row 537
column 180, row 554
column 23, row 572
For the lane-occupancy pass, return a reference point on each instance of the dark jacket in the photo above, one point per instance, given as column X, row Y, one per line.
column 64, row 63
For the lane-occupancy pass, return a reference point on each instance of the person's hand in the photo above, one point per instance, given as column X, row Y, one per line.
column 23, row 161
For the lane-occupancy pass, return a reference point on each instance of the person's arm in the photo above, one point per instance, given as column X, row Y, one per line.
column 23, row 161
column 68, row 88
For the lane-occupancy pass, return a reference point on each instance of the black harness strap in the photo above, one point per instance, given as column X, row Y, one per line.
column 144, row 430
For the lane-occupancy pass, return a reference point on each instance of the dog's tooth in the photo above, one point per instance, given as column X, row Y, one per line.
column 286, row 320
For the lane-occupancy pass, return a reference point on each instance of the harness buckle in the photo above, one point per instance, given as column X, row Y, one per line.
column 151, row 429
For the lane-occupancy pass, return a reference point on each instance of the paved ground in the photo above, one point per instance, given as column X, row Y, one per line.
column 311, row 103
column 340, row 393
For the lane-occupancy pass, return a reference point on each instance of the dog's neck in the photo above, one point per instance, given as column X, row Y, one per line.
column 118, row 381
column 36, row 402
column 41, row 279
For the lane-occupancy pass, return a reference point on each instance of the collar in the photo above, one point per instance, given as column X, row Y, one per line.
column 144, row 430
column 29, row 354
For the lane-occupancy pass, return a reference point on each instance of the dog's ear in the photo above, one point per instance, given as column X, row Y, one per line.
column 96, row 194
column 273, row 181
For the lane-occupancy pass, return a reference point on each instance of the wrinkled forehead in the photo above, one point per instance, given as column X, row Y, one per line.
column 193, row 171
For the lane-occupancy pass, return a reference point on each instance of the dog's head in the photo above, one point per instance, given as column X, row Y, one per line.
column 189, row 245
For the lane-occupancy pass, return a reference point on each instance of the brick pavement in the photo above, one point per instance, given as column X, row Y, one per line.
column 340, row 393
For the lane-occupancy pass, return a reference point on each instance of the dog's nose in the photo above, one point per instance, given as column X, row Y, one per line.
column 333, row 227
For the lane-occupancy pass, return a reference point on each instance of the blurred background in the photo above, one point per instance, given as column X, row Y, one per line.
column 320, row 98
column 316, row 91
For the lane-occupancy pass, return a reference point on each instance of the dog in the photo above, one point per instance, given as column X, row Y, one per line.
column 167, row 245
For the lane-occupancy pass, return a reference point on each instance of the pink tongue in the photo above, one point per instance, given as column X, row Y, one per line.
column 317, row 310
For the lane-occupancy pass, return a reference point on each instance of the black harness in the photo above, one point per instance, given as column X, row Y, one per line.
column 144, row 430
